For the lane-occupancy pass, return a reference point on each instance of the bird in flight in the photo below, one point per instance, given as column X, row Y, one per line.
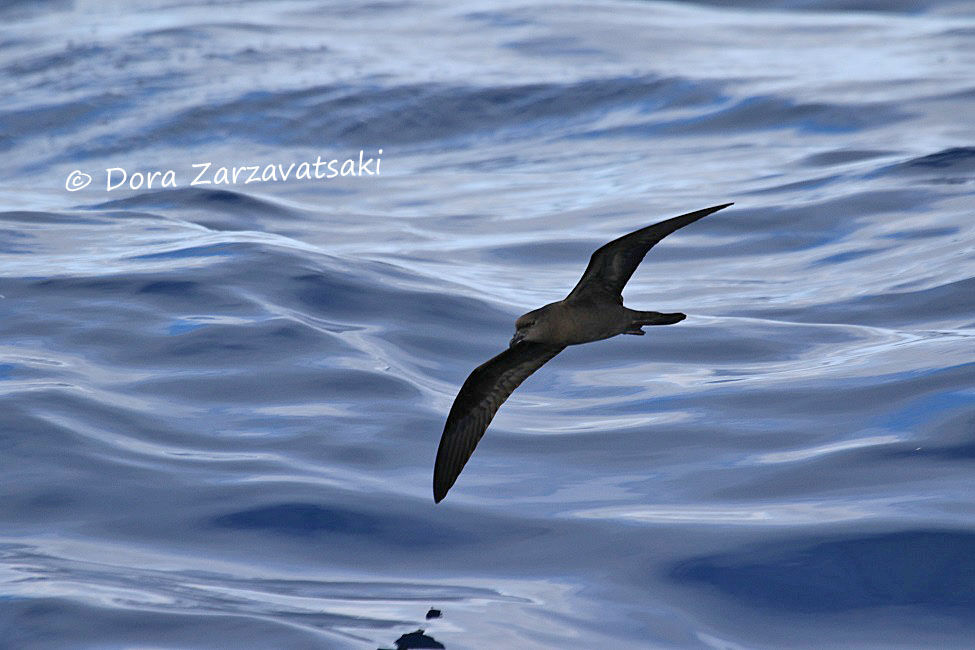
column 592, row 311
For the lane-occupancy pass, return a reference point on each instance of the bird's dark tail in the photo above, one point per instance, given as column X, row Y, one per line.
column 641, row 318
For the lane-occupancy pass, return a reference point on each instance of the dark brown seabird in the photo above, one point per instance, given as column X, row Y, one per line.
column 592, row 311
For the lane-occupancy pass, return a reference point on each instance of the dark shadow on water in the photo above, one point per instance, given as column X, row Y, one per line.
column 309, row 520
column 931, row 570
column 956, row 164
column 419, row 638
column 300, row 519
column 416, row 639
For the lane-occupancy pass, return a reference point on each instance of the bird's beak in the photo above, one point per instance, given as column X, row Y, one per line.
column 516, row 339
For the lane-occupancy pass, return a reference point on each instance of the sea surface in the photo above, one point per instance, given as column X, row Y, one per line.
column 220, row 401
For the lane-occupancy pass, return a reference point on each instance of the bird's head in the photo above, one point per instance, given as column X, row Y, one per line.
column 532, row 326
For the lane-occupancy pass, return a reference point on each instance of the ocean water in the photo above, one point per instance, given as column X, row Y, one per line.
column 220, row 402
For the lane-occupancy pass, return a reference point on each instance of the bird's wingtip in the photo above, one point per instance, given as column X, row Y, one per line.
column 439, row 493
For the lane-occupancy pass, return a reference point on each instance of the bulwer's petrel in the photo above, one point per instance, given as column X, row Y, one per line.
column 593, row 310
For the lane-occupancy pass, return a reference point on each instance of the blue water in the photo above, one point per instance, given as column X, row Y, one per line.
column 220, row 404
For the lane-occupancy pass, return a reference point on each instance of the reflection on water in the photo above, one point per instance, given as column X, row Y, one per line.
column 779, row 514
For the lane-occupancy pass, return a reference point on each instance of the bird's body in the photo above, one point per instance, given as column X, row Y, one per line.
column 586, row 319
column 592, row 311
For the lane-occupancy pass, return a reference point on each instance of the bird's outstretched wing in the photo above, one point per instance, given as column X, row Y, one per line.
column 475, row 405
column 612, row 265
